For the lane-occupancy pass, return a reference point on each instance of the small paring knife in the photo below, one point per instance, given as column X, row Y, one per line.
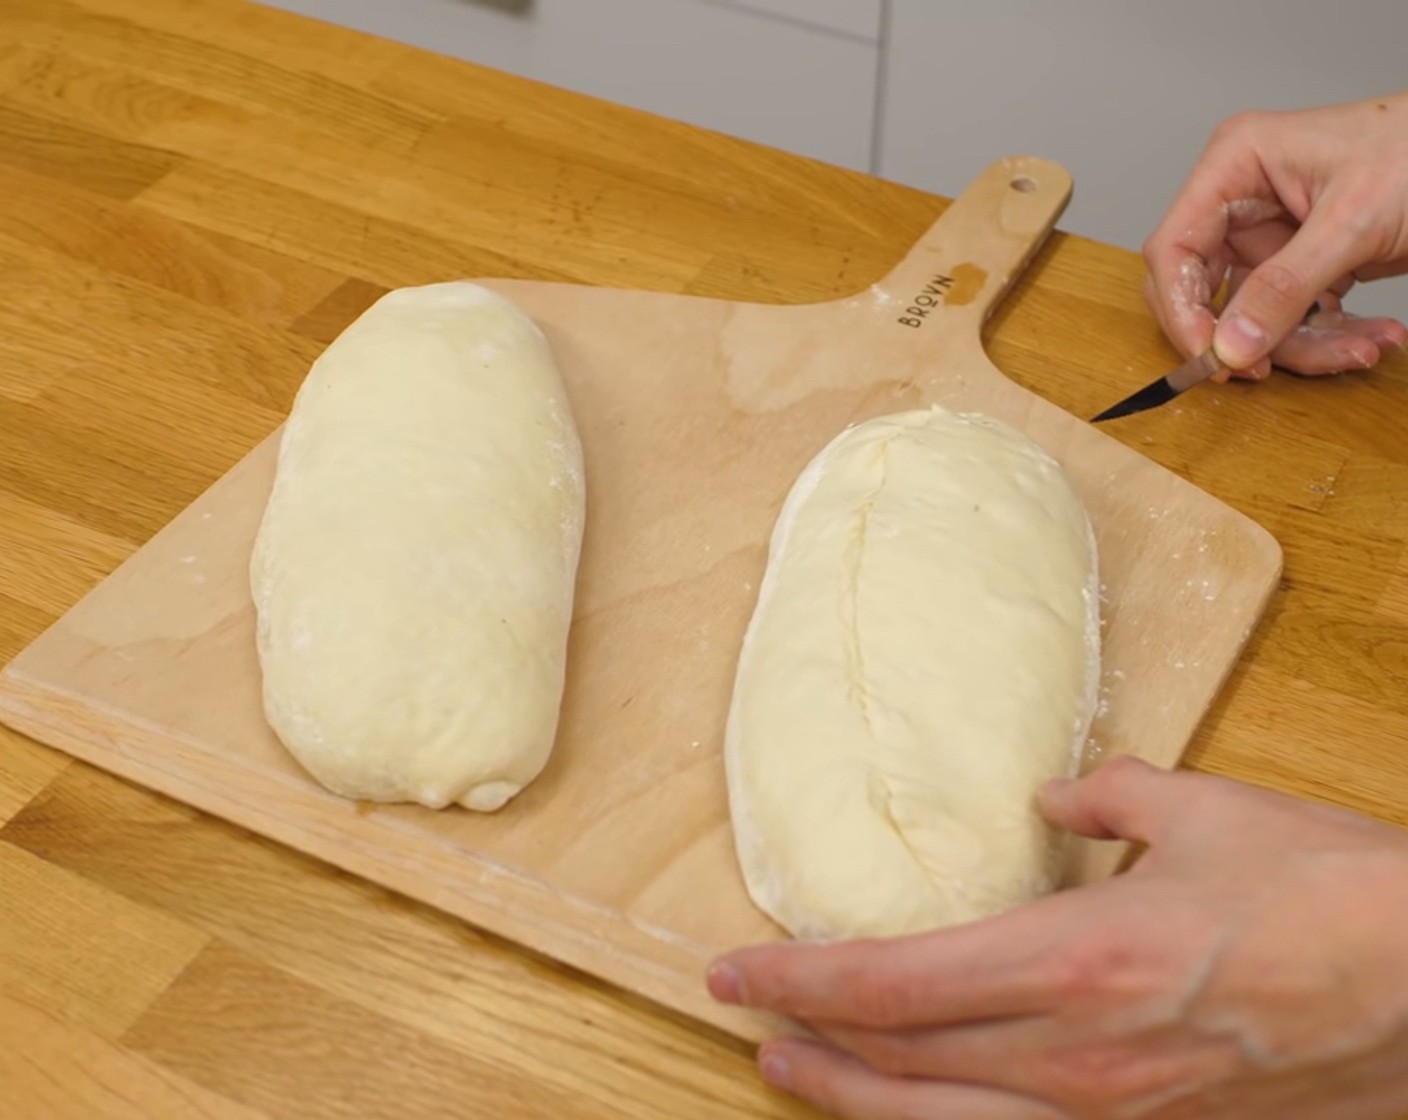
column 1165, row 388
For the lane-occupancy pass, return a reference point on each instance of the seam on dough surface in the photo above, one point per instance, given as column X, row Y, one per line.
column 859, row 691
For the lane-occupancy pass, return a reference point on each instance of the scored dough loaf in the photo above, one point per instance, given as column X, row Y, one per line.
column 414, row 570
column 923, row 654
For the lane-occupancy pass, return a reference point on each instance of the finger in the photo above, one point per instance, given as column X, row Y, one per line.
column 1002, row 966
column 1352, row 343
column 1274, row 298
column 1000, row 1052
column 1324, row 354
column 1328, row 311
column 1182, row 302
column 1261, row 370
column 1383, row 270
column 1258, row 371
column 1342, row 287
column 1177, row 337
column 1318, row 355
column 1225, row 191
column 845, row 1087
column 1124, row 799
column 1330, row 339
column 1069, row 1061
column 1251, row 245
column 1383, row 331
column 1329, row 315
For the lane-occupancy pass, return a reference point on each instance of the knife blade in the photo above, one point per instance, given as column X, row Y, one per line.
column 1190, row 373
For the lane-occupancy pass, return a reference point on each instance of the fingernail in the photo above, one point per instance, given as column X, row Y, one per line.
column 1054, row 786
column 1239, row 341
column 725, row 983
column 776, row 1071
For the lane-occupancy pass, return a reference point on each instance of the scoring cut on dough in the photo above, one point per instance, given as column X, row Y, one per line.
column 923, row 654
column 414, row 571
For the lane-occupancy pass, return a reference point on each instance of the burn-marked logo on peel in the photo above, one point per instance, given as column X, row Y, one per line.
column 957, row 288
column 923, row 303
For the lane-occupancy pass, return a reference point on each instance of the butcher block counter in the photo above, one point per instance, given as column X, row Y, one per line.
column 198, row 195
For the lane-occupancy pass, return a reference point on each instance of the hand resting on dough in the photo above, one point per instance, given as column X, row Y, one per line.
column 1252, row 965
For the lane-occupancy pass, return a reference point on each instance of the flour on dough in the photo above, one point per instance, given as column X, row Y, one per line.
column 923, row 654
column 414, row 570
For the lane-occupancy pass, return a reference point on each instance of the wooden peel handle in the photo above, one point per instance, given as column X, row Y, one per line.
column 963, row 265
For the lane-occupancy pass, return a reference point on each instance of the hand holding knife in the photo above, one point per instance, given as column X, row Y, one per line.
column 1190, row 373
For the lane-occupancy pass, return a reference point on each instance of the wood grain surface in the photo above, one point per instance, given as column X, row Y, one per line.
column 696, row 416
column 198, row 194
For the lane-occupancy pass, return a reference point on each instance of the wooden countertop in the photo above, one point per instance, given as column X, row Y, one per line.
column 198, row 195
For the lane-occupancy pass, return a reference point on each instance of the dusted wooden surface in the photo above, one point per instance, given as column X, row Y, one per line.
column 696, row 416
column 197, row 196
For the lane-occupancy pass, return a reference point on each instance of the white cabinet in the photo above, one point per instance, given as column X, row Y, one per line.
column 803, row 85
column 861, row 18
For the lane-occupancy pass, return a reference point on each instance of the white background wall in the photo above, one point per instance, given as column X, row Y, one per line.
column 927, row 92
column 1123, row 92
column 750, row 68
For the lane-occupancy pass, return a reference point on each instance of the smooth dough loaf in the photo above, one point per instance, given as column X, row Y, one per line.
column 414, row 571
column 924, row 653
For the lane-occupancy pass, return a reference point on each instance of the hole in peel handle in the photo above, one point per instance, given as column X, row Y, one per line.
column 963, row 265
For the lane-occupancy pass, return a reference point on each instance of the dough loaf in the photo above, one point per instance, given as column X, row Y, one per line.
column 924, row 652
column 414, row 571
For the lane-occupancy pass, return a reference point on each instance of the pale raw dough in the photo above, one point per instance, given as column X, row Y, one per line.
column 923, row 654
column 414, row 571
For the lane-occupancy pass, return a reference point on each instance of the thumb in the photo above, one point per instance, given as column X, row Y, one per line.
column 1275, row 296
column 1125, row 799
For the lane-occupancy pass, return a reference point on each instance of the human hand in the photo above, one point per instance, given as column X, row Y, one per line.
column 1252, row 965
column 1290, row 209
